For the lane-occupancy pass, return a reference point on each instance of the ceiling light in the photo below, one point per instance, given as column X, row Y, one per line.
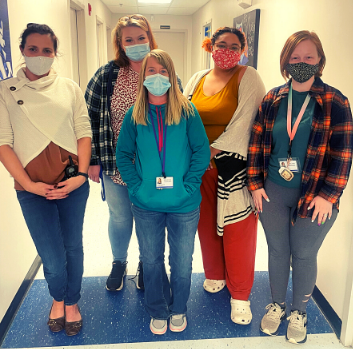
column 154, row 1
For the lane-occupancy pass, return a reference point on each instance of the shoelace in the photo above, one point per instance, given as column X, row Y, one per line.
column 275, row 311
column 296, row 320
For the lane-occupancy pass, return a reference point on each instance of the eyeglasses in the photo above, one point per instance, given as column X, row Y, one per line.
column 221, row 46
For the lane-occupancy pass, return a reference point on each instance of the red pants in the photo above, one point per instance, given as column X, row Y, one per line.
column 231, row 257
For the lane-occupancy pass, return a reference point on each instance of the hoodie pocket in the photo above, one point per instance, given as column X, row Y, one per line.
column 155, row 199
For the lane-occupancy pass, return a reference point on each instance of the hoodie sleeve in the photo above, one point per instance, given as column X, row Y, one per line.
column 125, row 153
column 201, row 154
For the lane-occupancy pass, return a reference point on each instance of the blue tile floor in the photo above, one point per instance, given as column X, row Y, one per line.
column 120, row 317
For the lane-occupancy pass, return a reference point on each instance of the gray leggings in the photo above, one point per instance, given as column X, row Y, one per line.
column 301, row 241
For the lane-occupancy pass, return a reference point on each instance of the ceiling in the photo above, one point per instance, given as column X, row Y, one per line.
column 176, row 7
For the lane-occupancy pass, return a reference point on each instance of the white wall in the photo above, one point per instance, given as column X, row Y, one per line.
column 17, row 251
column 278, row 20
column 177, row 24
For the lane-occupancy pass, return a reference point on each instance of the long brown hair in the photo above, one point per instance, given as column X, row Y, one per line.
column 130, row 21
column 177, row 103
column 292, row 42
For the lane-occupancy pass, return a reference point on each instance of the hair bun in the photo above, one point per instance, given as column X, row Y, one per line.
column 207, row 44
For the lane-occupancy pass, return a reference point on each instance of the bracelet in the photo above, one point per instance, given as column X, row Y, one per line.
column 82, row 174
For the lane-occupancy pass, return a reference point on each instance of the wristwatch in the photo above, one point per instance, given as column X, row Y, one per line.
column 82, row 174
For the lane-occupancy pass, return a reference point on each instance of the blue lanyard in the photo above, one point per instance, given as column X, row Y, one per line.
column 160, row 134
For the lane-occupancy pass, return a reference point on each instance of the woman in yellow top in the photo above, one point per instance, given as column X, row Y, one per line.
column 227, row 98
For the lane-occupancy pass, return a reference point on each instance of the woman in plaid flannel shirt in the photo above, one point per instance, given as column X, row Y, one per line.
column 109, row 95
column 296, row 185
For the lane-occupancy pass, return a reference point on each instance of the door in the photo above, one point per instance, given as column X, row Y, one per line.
column 174, row 44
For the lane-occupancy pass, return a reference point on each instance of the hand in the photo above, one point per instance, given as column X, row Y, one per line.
column 323, row 209
column 40, row 188
column 210, row 167
column 93, row 173
column 64, row 188
column 257, row 196
column 214, row 152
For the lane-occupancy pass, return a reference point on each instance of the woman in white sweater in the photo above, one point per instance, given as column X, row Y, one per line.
column 45, row 144
column 227, row 98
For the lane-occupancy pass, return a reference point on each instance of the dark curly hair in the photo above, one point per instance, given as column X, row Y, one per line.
column 224, row 30
column 43, row 29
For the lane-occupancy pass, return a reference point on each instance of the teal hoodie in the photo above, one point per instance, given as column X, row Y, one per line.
column 187, row 157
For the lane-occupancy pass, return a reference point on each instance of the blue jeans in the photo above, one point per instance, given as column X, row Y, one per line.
column 120, row 218
column 56, row 230
column 164, row 298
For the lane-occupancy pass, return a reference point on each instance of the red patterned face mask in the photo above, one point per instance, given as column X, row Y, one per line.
column 225, row 58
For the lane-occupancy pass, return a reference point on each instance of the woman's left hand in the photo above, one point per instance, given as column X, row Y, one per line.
column 323, row 209
column 64, row 188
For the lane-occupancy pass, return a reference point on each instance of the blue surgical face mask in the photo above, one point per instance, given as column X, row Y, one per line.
column 137, row 53
column 157, row 84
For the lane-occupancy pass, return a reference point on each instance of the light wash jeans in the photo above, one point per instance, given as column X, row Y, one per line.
column 120, row 218
column 164, row 298
column 56, row 230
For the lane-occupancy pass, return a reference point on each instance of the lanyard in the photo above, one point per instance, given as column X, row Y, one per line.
column 160, row 141
column 292, row 132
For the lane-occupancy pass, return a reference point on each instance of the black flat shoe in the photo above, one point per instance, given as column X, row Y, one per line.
column 74, row 327
column 56, row 325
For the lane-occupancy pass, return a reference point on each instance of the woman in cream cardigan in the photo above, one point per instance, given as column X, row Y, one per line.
column 227, row 98
column 45, row 144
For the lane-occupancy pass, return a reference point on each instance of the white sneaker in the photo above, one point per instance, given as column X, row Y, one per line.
column 214, row 286
column 272, row 319
column 158, row 326
column 177, row 323
column 296, row 331
column 241, row 312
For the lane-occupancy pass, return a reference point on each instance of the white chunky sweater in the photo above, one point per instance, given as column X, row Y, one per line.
column 35, row 113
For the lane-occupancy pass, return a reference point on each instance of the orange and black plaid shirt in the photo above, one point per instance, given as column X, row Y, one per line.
column 329, row 153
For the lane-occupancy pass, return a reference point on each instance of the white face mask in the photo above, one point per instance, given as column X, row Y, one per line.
column 39, row 65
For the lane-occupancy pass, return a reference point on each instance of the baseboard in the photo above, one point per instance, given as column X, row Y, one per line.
column 327, row 310
column 17, row 301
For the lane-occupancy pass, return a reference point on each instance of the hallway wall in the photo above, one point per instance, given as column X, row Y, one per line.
column 278, row 20
column 17, row 251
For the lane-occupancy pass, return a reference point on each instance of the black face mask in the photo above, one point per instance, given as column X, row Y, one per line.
column 302, row 72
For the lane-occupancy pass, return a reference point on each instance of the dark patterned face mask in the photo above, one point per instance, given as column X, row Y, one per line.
column 302, row 72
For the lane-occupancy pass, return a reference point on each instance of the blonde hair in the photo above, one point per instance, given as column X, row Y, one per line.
column 292, row 42
column 130, row 21
column 177, row 103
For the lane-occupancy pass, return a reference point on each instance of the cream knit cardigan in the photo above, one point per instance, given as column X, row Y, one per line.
column 35, row 113
column 231, row 202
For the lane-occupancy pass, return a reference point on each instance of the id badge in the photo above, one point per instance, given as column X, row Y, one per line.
column 286, row 173
column 293, row 166
column 164, row 183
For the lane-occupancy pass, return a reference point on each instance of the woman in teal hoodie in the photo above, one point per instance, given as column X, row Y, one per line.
column 162, row 153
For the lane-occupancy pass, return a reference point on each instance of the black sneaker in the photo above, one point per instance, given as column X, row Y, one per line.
column 140, row 285
column 115, row 279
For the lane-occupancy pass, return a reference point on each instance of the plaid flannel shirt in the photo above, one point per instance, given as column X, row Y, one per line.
column 98, row 95
column 103, row 152
column 329, row 153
